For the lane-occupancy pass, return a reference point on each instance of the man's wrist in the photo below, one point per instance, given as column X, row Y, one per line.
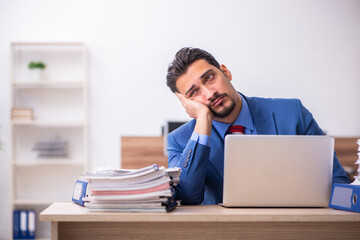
column 201, row 139
column 204, row 123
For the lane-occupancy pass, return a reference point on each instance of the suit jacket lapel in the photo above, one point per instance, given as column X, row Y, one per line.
column 217, row 152
column 264, row 121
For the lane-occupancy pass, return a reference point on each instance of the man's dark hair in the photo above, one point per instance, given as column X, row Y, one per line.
column 183, row 59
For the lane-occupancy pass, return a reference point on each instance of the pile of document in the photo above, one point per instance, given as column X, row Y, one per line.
column 357, row 177
column 149, row 189
column 345, row 196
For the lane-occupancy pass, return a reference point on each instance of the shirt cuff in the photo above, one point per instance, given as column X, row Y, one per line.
column 201, row 138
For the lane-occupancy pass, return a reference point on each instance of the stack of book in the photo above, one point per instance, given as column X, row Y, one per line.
column 53, row 148
column 148, row 189
column 22, row 114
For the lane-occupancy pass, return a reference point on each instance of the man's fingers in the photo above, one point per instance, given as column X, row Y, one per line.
column 180, row 96
column 192, row 107
column 182, row 99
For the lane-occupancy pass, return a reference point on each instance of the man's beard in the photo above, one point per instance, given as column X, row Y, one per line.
column 226, row 110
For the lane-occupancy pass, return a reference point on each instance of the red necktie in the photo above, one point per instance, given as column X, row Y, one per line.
column 236, row 129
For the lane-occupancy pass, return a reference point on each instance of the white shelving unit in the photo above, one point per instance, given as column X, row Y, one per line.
column 59, row 105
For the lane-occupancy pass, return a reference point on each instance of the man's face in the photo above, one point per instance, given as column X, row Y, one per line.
column 209, row 85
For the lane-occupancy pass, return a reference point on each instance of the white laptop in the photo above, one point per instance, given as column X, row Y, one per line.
column 277, row 171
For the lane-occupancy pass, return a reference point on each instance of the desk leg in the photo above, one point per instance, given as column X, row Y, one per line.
column 54, row 230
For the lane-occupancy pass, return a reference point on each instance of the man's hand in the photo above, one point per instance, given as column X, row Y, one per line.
column 198, row 111
column 193, row 108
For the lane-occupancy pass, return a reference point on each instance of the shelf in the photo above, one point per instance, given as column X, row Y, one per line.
column 50, row 84
column 48, row 162
column 45, row 44
column 47, row 124
column 38, row 201
column 57, row 108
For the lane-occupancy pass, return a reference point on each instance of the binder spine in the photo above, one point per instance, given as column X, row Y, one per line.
column 31, row 224
column 16, row 224
column 23, row 224
column 80, row 192
column 345, row 197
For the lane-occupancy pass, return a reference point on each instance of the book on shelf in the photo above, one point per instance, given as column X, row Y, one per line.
column 22, row 111
column 22, row 114
column 148, row 189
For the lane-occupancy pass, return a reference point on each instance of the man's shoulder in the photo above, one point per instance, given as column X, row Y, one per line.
column 185, row 129
column 271, row 100
column 272, row 103
column 182, row 134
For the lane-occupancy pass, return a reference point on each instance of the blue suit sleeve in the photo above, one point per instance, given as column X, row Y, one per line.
column 310, row 127
column 193, row 160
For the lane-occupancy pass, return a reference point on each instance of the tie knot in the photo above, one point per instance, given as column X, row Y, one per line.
column 236, row 129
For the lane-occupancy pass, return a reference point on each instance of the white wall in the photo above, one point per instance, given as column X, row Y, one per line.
column 309, row 49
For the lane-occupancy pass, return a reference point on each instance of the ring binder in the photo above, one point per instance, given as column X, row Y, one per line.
column 347, row 196
column 24, row 224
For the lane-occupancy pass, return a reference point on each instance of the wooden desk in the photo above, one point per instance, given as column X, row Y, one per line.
column 70, row 221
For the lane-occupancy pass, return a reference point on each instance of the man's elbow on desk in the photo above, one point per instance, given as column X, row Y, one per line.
column 189, row 198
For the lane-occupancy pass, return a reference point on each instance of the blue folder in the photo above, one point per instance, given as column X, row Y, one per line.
column 79, row 192
column 16, row 224
column 24, row 224
column 31, row 214
column 345, row 197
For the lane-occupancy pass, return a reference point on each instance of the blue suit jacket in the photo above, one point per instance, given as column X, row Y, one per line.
column 201, row 179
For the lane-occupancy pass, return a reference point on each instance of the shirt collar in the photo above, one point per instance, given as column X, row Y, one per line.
column 244, row 119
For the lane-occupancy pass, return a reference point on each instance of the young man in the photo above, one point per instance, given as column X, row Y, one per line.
column 203, row 87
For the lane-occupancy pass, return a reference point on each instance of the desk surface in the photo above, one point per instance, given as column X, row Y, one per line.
column 70, row 212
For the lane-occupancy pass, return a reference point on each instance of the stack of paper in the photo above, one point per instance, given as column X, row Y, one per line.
column 357, row 178
column 345, row 196
column 135, row 190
